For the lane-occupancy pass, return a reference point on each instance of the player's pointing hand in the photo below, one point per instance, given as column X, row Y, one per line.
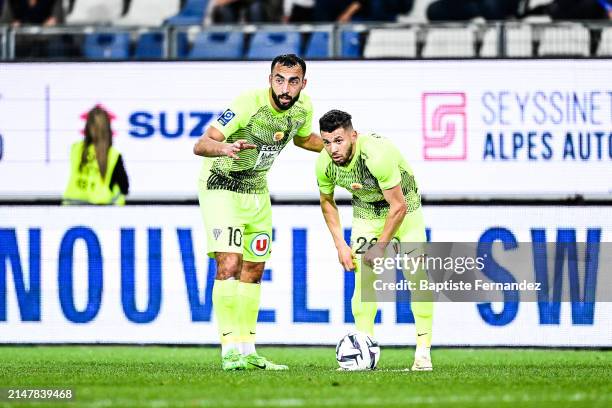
column 233, row 148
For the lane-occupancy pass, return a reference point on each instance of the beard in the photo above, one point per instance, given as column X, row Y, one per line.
column 341, row 161
column 284, row 105
column 345, row 159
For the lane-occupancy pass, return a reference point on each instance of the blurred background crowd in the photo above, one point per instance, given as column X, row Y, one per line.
column 257, row 29
column 54, row 12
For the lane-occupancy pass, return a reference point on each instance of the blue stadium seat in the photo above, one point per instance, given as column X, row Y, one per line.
column 182, row 45
column 150, row 46
column 265, row 45
column 107, row 46
column 192, row 13
column 351, row 45
column 218, row 45
column 318, row 45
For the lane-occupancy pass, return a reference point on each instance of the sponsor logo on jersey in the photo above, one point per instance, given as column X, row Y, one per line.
column 270, row 148
column 266, row 157
column 260, row 244
column 216, row 233
column 226, row 117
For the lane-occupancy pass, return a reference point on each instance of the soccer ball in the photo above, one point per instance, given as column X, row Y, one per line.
column 357, row 351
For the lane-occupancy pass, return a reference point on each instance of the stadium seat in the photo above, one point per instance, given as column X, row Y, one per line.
column 351, row 44
column 390, row 43
column 141, row 13
column 449, row 42
column 265, row 45
column 518, row 41
column 106, row 46
column 605, row 44
column 182, row 45
column 564, row 40
column 218, row 45
column 86, row 12
column 193, row 12
column 318, row 45
column 150, row 45
column 489, row 43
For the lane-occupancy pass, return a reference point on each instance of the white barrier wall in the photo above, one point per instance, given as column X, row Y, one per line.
column 469, row 128
column 139, row 274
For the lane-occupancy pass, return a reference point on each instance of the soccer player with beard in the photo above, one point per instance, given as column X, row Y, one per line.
column 386, row 208
column 239, row 148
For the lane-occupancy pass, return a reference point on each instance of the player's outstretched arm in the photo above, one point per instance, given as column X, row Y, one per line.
column 332, row 219
column 212, row 144
column 314, row 143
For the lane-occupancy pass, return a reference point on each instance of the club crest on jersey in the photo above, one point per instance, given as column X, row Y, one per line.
column 356, row 186
column 260, row 244
column 216, row 233
column 278, row 136
column 226, row 117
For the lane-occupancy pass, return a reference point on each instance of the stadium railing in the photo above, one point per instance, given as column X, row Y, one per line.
column 3, row 42
column 512, row 39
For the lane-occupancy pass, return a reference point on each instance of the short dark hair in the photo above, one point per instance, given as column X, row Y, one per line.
column 335, row 119
column 289, row 60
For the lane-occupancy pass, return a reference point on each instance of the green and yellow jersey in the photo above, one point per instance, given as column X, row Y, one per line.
column 251, row 117
column 376, row 166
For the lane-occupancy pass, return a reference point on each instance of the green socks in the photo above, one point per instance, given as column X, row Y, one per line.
column 423, row 319
column 249, row 295
column 225, row 300
column 363, row 312
column 236, row 306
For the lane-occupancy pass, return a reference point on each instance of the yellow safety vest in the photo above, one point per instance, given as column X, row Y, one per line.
column 86, row 186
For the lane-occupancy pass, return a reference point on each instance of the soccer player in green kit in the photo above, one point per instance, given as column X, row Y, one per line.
column 386, row 207
column 239, row 148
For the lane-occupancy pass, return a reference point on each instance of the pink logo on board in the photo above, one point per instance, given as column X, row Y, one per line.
column 444, row 126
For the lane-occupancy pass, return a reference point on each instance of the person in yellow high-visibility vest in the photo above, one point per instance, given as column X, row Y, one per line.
column 97, row 174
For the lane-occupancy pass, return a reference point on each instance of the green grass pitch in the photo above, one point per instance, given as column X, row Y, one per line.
column 191, row 377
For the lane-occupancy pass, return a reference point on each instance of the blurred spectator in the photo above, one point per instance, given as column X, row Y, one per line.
column 97, row 174
column 345, row 11
column 32, row 12
column 37, row 12
column 388, row 10
column 462, row 10
column 298, row 11
column 342, row 11
column 252, row 11
column 574, row 10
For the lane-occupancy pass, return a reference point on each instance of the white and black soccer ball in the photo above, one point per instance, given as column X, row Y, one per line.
column 357, row 351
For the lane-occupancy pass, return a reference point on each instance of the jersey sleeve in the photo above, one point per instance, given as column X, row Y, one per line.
column 326, row 186
column 236, row 116
column 306, row 128
column 384, row 161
